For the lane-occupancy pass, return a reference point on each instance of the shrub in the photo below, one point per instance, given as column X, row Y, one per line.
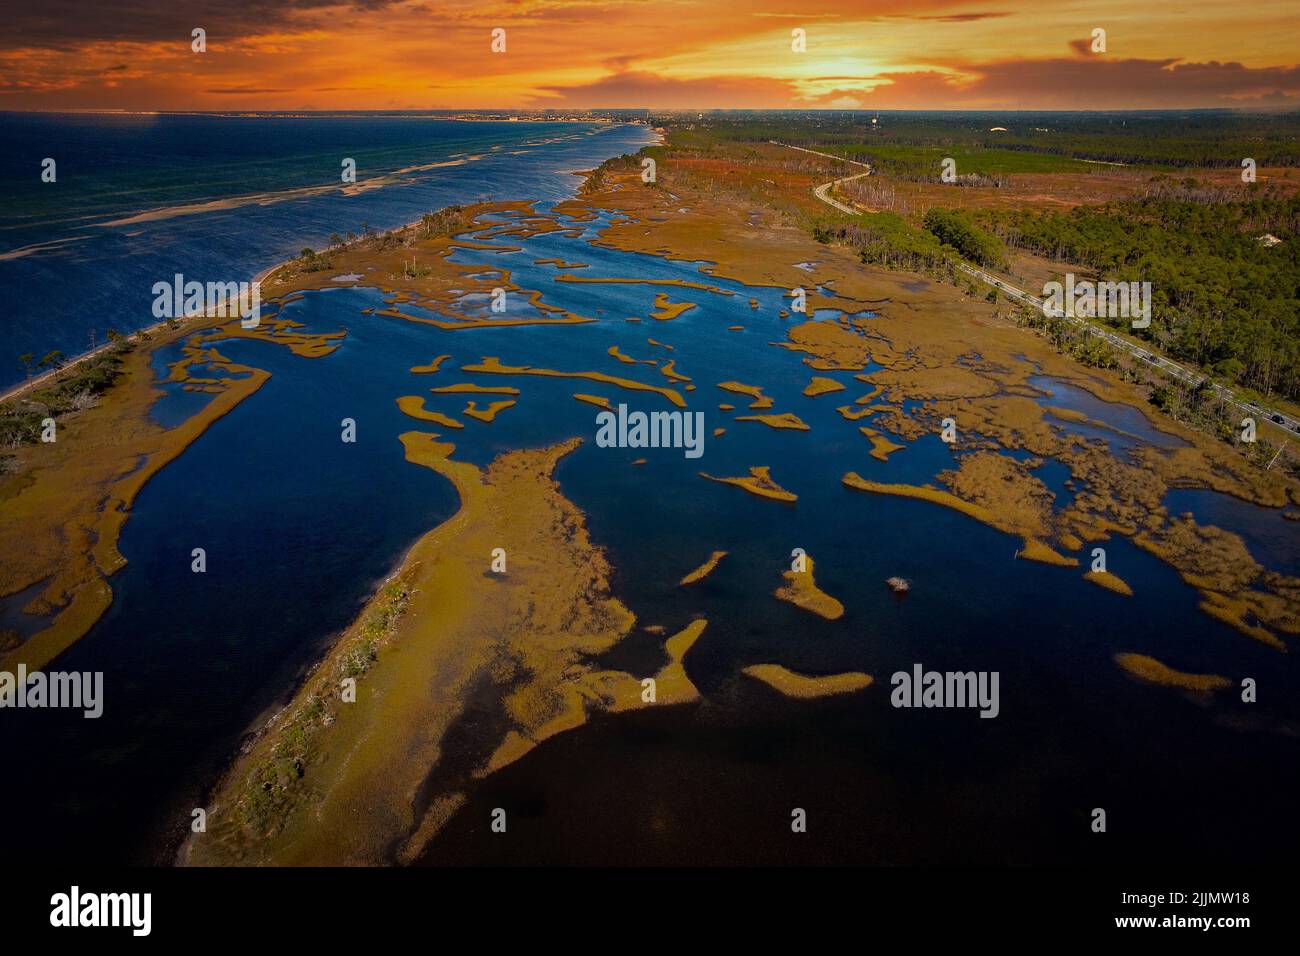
column 954, row 229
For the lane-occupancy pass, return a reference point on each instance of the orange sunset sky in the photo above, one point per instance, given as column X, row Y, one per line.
column 423, row 54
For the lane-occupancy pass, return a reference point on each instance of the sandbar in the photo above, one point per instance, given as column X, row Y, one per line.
column 705, row 569
column 801, row 686
column 758, row 482
column 1154, row 672
column 801, row 590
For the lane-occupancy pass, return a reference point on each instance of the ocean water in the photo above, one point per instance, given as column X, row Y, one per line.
column 132, row 203
column 299, row 526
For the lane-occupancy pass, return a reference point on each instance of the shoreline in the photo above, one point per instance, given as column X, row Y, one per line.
column 37, row 381
column 77, row 593
column 404, row 837
column 158, row 328
column 821, row 341
column 456, row 626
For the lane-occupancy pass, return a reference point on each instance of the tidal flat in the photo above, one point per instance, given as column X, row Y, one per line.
column 476, row 687
column 989, row 477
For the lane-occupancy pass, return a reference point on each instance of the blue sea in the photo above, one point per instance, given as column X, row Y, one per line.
column 133, row 200
column 298, row 528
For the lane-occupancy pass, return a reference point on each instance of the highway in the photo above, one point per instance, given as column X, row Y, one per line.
column 1262, row 415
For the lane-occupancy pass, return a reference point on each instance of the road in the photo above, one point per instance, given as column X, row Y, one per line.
column 851, row 162
column 1262, row 415
column 822, row 192
column 1154, row 359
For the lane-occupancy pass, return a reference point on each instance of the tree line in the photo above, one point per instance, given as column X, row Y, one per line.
column 1225, row 275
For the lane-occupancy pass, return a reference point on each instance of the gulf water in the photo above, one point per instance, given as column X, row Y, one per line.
column 298, row 528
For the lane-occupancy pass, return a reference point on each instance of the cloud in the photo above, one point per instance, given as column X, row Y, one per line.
column 1101, row 83
column 689, row 54
column 963, row 17
column 1276, row 98
column 1067, row 83
column 926, row 89
column 68, row 24
column 240, row 90
column 638, row 88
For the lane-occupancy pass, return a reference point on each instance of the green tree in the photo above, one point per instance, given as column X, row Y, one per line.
column 955, row 229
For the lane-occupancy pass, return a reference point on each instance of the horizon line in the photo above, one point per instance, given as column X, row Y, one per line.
column 655, row 109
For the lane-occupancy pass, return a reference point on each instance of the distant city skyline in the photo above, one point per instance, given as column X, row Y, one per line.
column 603, row 54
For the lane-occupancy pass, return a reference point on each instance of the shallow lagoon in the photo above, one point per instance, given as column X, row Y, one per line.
column 1272, row 540
column 299, row 526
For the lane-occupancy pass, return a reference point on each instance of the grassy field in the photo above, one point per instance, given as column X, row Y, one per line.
column 1192, row 232
column 1172, row 139
column 925, row 162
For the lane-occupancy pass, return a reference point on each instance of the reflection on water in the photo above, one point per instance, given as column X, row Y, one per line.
column 15, row 621
column 104, row 279
column 298, row 526
column 1125, row 426
column 1271, row 539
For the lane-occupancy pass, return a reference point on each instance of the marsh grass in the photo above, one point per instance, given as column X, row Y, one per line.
column 270, row 785
column 74, row 389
